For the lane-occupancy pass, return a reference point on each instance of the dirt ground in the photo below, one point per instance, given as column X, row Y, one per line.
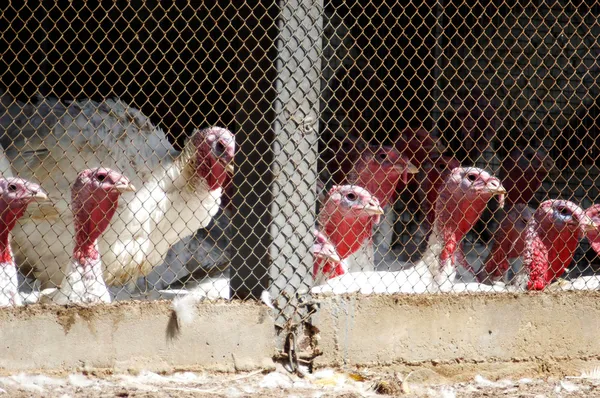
column 325, row 383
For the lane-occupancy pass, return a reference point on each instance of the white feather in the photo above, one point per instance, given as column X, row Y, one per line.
column 84, row 134
column 9, row 292
column 81, row 285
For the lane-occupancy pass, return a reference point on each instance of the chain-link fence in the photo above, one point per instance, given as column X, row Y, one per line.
column 387, row 147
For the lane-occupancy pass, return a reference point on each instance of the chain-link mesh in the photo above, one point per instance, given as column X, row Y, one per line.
column 385, row 147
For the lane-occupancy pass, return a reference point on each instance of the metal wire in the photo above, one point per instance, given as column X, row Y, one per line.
column 318, row 94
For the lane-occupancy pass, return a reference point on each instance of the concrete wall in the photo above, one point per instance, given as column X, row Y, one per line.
column 132, row 335
column 376, row 330
column 444, row 329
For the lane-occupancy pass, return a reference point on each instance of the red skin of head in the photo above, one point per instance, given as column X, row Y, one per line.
column 94, row 203
column 594, row 236
column 374, row 167
column 509, row 242
column 323, row 249
column 15, row 196
column 215, row 148
column 378, row 172
column 523, row 173
column 418, row 146
column 550, row 243
column 346, row 226
column 460, row 204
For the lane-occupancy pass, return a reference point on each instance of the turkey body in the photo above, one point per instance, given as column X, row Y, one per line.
column 50, row 142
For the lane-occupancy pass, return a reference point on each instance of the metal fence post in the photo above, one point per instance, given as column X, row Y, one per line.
column 295, row 147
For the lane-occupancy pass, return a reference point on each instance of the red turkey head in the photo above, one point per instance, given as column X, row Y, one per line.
column 15, row 195
column 348, row 216
column 551, row 238
column 327, row 262
column 461, row 201
column 94, row 199
column 379, row 171
column 214, row 155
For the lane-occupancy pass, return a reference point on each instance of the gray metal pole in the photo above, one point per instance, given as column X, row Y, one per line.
column 295, row 146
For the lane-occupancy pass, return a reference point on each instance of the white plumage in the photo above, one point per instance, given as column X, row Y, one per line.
column 79, row 287
column 50, row 142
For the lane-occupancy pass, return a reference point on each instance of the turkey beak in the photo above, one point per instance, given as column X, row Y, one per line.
column 330, row 256
column 373, row 209
column 495, row 188
column 40, row 196
column 406, row 168
column 124, row 187
column 591, row 226
column 230, row 168
column 409, row 167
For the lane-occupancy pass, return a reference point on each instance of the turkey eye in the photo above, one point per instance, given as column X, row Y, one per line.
column 220, row 148
column 101, row 177
column 351, row 196
column 472, row 177
column 12, row 188
column 563, row 212
column 382, row 156
column 440, row 166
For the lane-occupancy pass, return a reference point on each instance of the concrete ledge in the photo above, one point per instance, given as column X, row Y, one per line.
column 132, row 335
column 412, row 329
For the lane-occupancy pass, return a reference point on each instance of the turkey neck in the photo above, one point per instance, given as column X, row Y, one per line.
column 10, row 215
column 348, row 235
column 454, row 220
column 196, row 165
column 549, row 252
column 91, row 221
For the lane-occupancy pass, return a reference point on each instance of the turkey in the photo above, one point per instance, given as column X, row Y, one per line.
column 15, row 195
column 327, row 261
column 551, row 237
column 379, row 169
column 348, row 217
column 94, row 200
column 522, row 173
column 508, row 243
column 459, row 205
column 178, row 192
column 380, row 172
column 594, row 234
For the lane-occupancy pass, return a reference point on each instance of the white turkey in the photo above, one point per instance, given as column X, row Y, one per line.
column 459, row 205
column 50, row 142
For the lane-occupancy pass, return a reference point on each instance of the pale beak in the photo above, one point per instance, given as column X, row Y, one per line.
column 591, row 226
column 230, row 168
column 40, row 196
column 373, row 210
column 125, row 187
column 408, row 167
column 499, row 191
column 333, row 257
